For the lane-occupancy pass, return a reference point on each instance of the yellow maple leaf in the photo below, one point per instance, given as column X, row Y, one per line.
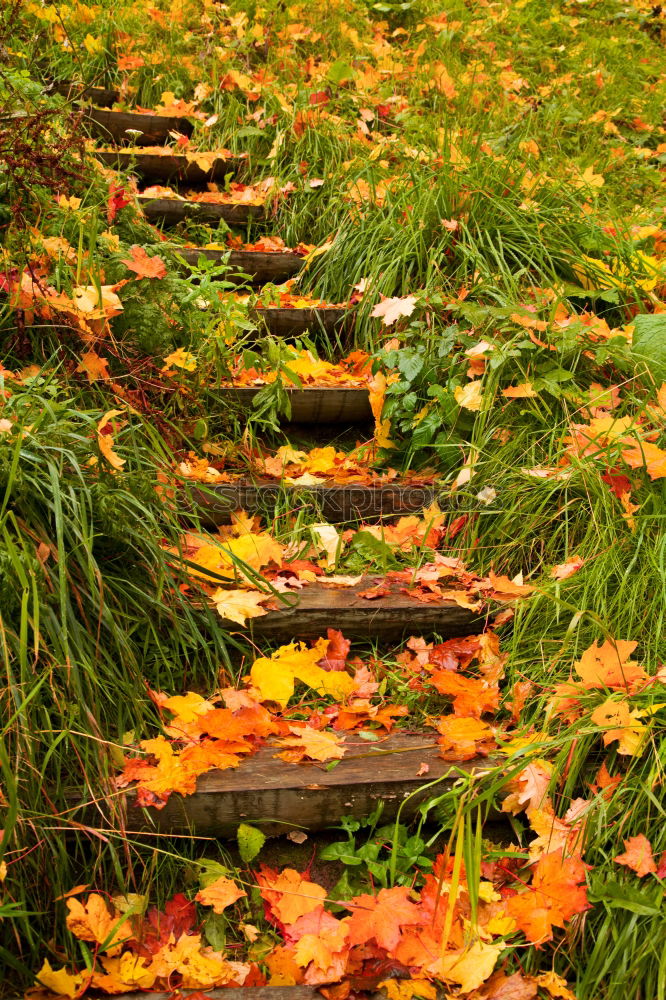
column 469, row 396
column 406, row 989
column 621, row 724
column 309, row 742
column 105, row 441
column 228, row 559
column 275, row 677
column 180, row 359
column 59, row 981
column 238, row 605
column 470, row 967
column 187, row 707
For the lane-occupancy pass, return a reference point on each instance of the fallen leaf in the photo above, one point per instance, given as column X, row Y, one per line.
column 143, row 265
column 288, row 894
column 220, row 894
column 389, row 310
column 638, row 856
column 239, row 605
column 95, row 368
column 469, row 396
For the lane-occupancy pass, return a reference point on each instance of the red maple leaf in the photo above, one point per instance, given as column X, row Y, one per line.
column 118, row 198
column 337, row 651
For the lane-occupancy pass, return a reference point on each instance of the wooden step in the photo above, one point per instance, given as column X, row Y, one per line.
column 165, row 167
column 102, row 97
column 170, row 211
column 260, row 267
column 295, row 322
column 277, row 795
column 338, row 504
column 224, row 993
column 317, row 607
column 318, row 405
column 121, row 126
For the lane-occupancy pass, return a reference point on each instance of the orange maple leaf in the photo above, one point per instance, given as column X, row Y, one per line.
column 91, row 921
column 288, row 894
column 464, row 738
column 638, row 855
column 556, row 894
column 380, row 917
column 608, row 666
column 143, row 265
column 220, row 894
column 95, row 367
column 647, row 456
column 471, row 697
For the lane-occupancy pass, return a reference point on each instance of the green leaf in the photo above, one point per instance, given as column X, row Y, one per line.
column 370, row 548
column 339, row 71
column 410, row 364
column 649, row 344
column 215, row 930
column 250, row 841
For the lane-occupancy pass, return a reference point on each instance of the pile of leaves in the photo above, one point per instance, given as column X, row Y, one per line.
column 451, row 931
column 302, row 369
column 308, row 696
column 255, row 568
column 237, row 193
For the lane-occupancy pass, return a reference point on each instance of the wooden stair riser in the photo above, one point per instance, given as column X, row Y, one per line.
column 258, row 268
column 169, row 212
column 266, row 791
column 101, row 97
column 317, row 607
column 337, row 504
column 167, row 168
column 296, row 322
column 312, row 406
column 120, row 126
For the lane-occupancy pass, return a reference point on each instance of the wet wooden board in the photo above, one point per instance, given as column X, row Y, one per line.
column 337, row 504
column 313, row 406
column 102, row 97
column 239, row 993
column 122, row 126
column 258, row 266
column 167, row 167
column 170, row 211
column 317, row 607
column 294, row 322
column 276, row 795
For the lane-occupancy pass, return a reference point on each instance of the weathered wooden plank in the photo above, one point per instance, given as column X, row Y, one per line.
column 294, row 322
column 318, row 607
column 165, row 167
column 337, row 503
column 102, row 97
column 259, row 266
column 240, row 993
column 122, row 126
column 313, row 406
column 277, row 795
column 169, row 211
